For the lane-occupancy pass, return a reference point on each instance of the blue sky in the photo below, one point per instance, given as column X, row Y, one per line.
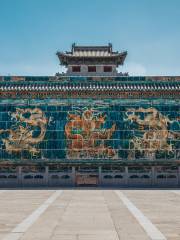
column 31, row 31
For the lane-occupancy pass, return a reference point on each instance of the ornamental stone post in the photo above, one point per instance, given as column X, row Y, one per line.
column 126, row 175
column 73, row 176
column 100, row 175
column 46, row 176
column 19, row 175
column 178, row 176
column 153, row 176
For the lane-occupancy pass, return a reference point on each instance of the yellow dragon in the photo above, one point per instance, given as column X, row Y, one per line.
column 156, row 137
column 21, row 135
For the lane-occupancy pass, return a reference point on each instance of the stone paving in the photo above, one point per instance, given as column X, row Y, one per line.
column 89, row 214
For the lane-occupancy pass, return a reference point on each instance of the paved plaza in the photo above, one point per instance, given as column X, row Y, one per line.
column 89, row 214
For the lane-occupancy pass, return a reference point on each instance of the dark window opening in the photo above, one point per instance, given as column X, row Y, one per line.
column 38, row 176
column 65, row 176
column 134, row 176
column 108, row 176
column 118, row 176
column 76, row 68
column 91, row 68
column 107, row 69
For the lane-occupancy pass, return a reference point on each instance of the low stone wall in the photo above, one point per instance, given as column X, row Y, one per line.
column 74, row 178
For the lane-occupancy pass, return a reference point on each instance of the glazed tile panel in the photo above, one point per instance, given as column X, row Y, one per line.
column 66, row 129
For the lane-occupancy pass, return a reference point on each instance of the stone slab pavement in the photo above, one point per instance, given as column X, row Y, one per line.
column 89, row 214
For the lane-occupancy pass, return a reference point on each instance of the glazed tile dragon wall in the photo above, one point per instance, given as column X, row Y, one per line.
column 89, row 129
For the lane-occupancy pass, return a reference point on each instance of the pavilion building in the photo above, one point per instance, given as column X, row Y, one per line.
column 91, row 60
column 90, row 126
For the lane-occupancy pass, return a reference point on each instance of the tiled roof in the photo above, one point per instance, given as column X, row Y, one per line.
column 88, row 86
column 92, row 52
column 60, row 78
column 86, row 90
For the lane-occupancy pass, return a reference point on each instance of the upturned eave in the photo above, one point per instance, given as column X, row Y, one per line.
column 67, row 58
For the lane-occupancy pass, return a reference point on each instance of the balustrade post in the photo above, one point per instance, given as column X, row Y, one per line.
column 19, row 175
column 126, row 175
column 46, row 176
column 73, row 176
column 153, row 176
column 100, row 175
column 178, row 176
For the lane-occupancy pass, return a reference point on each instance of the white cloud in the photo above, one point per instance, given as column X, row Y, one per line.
column 134, row 69
column 30, row 69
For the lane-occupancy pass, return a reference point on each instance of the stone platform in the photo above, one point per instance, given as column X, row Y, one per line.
column 89, row 214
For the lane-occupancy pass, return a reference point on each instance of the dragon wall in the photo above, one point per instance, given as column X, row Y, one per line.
column 71, row 129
